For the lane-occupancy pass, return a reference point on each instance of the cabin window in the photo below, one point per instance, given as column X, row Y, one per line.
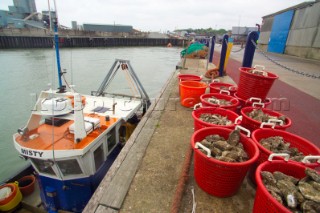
column 98, row 157
column 43, row 166
column 69, row 167
column 111, row 139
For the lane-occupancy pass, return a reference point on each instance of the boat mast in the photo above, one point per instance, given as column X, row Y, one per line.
column 56, row 41
column 55, row 9
column 50, row 18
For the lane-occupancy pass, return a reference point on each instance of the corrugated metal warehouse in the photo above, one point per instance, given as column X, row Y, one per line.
column 108, row 28
column 293, row 31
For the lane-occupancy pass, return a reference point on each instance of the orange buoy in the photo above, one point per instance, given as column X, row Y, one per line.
column 83, row 100
column 10, row 196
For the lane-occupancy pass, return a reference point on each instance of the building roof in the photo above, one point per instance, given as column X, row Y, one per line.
column 108, row 28
column 298, row 6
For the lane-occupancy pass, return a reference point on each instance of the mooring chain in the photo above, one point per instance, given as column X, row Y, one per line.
column 283, row 66
column 235, row 51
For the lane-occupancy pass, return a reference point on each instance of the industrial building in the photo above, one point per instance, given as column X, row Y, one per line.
column 23, row 14
column 239, row 34
column 108, row 28
column 293, row 31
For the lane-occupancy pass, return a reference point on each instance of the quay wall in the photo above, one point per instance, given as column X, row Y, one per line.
column 7, row 42
column 42, row 38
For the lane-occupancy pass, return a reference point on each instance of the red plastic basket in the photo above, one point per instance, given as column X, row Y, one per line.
column 252, row 85
column 218, row 178
column 264, row 202
column 189, row 77
column 252, row 124
column 190, row 92
column 302, row 144
column 233, row 100
column 251, row 101
column 215, row 87
column 199, row 124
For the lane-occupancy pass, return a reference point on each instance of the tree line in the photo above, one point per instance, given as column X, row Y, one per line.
column 204, row 32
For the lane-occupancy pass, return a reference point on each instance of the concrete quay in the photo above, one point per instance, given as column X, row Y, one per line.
column 152, row 172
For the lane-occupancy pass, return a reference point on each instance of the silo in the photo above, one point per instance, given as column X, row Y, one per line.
column 74, row 25
column 25, row 6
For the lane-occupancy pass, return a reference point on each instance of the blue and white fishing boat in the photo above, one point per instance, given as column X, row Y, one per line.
column 71, row 139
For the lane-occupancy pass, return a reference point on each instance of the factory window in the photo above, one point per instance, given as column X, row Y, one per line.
column 98, row 155
column 69, row 167
column 44, row 166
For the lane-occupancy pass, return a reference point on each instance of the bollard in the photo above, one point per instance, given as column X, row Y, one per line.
column 223, row 54
column 212, row 43
column 249, row 49
column 211, row 51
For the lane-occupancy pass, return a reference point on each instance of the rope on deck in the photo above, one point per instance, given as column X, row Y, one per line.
column 176, row 202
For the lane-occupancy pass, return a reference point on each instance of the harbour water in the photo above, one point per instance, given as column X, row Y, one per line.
column 24, row 73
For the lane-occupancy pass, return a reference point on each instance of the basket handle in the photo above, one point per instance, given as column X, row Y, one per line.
column 215, row 81
column 286, row 156
column 256, row 104
column 263, row 124
column 275, row 121
column 243, row 129
column 259, row 67
column 254, row 99
column 196, row 106
column 232, row 88
column 204, row 148
column 238, row 120
column 310, row 157
column 224, row 91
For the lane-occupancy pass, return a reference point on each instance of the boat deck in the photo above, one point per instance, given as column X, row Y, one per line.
column 63, row 139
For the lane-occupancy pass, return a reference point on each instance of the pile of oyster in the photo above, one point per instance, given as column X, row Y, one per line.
column 297, row 195
column 229, row 150
column 277, row 144
column 257, row 72
column 259, row 115
column 215, row 119
column 221, row 102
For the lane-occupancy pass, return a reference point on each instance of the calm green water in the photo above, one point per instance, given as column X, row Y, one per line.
column 26, row 72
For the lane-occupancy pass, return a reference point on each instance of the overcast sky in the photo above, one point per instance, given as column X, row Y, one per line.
column 163, row 15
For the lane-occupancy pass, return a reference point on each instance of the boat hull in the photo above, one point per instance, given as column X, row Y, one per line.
column 73, row 195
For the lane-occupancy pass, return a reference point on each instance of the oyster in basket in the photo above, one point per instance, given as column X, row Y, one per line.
column 229, row 150
column 259, row 115
column 281, row 176
column 297, row 195
column 277, row 144
column 268, row 178
column 215, row 119
column 309, row 192
column 221, row 102
column 313, row 175
column 310, row 206
column 234, row 137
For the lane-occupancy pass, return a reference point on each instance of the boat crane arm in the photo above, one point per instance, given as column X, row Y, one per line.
column 132, row 75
